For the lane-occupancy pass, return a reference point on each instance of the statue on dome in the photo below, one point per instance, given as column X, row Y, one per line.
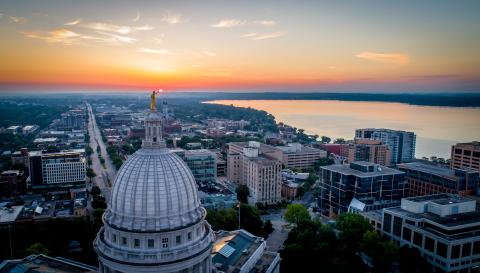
column 152, row 99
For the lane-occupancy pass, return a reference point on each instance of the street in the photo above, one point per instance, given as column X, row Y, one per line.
column 104, row 175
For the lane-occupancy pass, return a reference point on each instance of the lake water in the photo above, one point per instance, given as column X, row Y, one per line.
column 437, row 128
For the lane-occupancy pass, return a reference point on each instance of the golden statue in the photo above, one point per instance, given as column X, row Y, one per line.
column 152, row 101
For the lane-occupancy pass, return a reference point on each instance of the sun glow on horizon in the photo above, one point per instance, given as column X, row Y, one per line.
column 263, row 46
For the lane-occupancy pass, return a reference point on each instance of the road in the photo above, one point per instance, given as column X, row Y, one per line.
column 104, row 175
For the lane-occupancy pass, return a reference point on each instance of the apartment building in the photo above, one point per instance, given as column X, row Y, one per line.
column 466, row 155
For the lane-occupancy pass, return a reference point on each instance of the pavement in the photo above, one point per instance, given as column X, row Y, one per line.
column 104, row 175
column 280, row 230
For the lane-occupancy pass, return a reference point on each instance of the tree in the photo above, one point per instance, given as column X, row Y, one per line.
column 96, row 191
column 37, row 248
column 381, row 252
column 326, row 139
column 242, row 193
column 90, row 173
column 352, row 227
column 296, row 213
column 340, row 141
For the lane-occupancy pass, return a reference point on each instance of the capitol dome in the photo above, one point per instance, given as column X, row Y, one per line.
column 154, row 221
column 153, row 191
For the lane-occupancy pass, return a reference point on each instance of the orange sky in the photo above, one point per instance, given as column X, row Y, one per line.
column 267, row 46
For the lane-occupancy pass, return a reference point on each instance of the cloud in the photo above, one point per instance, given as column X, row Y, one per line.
column 61, row 35
column 69, row 37
column 117, row 38
column 137, row 17
column 172, row 19
column 72, row 23
column 252, row 34
column 208, row 53
column 152, row 51
column 269, row 35
column 228, row 23
column 266, row 23
column 18, row 20
column 385, row 58
column 115, row 28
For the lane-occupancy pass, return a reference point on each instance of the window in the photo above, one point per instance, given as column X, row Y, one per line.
column 455, row 252
column 164, row 242
column 387, row 222
column 429, row 244
column 442, row 249
column 189, row 236
column 136, row 243
column 466, row 249
column 407, row 234
column 397, row 226
column 151, row 243
column 417, row 238
column 476, row 248
column 178, row 239
column 124, row 241
column 114, row 238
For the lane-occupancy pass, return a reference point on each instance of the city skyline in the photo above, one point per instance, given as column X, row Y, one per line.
column 304, row 46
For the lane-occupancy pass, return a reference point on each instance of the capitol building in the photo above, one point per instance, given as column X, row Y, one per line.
column 154, row 221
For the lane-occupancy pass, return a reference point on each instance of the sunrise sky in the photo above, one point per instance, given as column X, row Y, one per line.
column 390, row 46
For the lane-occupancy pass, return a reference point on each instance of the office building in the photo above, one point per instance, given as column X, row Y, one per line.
column 373, row 151
column 445, row 228
column 360, row 186
column 202, row 163
column 428, row 179
column 239, row 251
column 254, row 164
column 235, row 155
column 56, row 170
column 262, row 175
column 401, row 143
column 298, row 156
column 466, row 155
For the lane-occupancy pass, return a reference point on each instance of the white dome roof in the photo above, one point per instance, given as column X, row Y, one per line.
column 154, row 191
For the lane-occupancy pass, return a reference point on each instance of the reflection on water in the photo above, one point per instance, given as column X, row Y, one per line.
column 437, row 128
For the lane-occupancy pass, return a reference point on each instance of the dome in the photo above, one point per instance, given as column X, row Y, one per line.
column 154, row 191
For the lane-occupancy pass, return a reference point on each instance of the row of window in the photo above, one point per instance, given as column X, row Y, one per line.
column 150, row 243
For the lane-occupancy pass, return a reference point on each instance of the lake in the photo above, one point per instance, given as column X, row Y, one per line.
column 437, row 128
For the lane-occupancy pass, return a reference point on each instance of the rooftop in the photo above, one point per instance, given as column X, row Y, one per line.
column 441, row 199
column 347, row 170
column 9, row 215
column 431, row 169
column 43, row 263
column 474, row 144
column 232, row 249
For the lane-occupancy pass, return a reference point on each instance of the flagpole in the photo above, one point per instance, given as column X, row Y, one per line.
column 239, row 208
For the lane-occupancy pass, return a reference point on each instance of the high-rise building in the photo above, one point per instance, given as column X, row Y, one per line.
column 262, row 175
column 56, row 170
column 360, row 186
column 401, row 143
column 373, row 151
column 234, row 158
column 427, row 179
column 254, row 164
column 154, row 221
column 298, row 156
column 445, row 228
column 466, row 155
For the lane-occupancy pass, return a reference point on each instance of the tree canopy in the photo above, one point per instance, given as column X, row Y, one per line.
column 296, row 213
